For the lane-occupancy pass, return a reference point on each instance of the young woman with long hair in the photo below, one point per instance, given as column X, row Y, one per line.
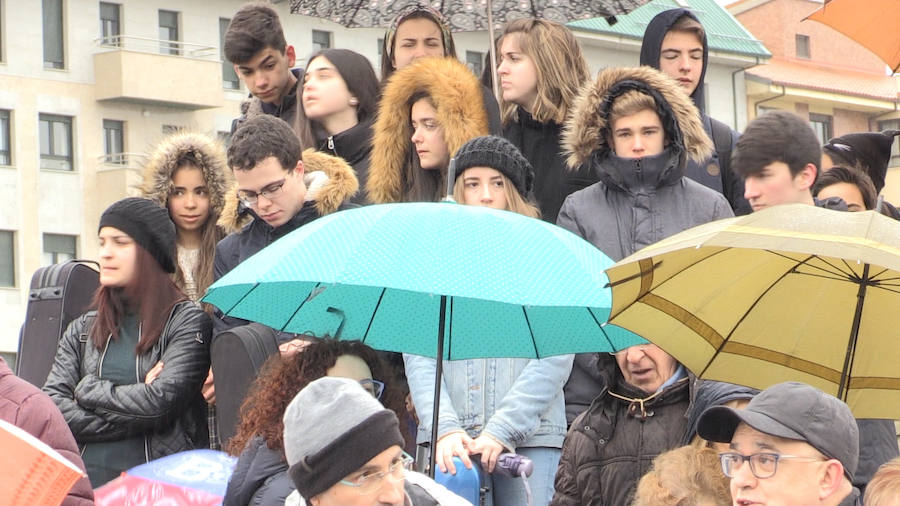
column 260, row 475
column 127, row 376
column 541, row 69
column 495, row 405
column 338, row 104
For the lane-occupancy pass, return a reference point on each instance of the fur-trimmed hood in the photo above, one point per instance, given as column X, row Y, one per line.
column 330, row 182
column 586, row 130
column 457, row 96
column 180, row 148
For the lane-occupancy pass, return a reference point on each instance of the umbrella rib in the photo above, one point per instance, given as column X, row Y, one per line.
column 246, row 294
column 749, row 310
column 600, row 325
column 677, row 273
column 374, row 311
column 880, row 273
column 805, row 262
column 831, row 277
column 531, row 332
column 281, row 328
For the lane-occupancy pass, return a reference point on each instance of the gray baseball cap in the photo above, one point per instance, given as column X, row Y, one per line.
column 792, row 411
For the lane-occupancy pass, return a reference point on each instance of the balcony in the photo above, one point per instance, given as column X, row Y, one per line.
column 118, row 175
column 158, row 72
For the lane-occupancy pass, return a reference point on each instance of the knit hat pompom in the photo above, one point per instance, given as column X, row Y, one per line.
column 148, row 224
column 499, row 154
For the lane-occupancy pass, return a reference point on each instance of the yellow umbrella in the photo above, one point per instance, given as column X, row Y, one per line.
column 790, row 293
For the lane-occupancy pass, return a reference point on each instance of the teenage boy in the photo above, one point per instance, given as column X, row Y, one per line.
column 255, row 45
column 675, row 43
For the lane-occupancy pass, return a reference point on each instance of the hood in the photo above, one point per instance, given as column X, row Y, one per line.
column 198, row 149
column 653, row 37
column 586, row 129
column 330, row 181
column 707, row 394
column 457, row 96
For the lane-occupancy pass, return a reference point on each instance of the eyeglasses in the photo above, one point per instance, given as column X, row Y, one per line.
column 640, row 347
column 762, row 465
column 373, row 386
column 368, row 483
column 249, row 198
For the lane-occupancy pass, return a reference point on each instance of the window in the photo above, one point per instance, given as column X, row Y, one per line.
column 58, row 248
column 803, row 46
column 321, row 40
column 168, row 32
column 171, row 129
column 109, row 23
column 225, row 137
column 5, row 156
column 54, row 34
column 56, row 142
column 475, row 62
column 7, row 260
column 893, row 124
column 821, row 124
column 114, row 141
column 229, row 76
column 380, row 49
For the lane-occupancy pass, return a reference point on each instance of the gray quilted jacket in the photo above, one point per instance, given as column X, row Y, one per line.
column 169, row 412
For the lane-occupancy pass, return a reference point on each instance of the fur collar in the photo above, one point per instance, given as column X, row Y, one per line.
column 330, row 182
column 586, row 129
column 457, row 96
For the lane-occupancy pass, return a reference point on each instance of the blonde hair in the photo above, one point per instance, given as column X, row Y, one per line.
column 559, row 63
column 685, row 476
column 884, row 487
column 515, row 202
column 628, row 103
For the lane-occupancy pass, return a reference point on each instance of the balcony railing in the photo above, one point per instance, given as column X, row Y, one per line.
column 158, row 46
column 114, row 161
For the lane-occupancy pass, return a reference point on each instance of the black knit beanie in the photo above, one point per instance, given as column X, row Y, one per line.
column 871, row 150
column 499, row 154
column 148, row 224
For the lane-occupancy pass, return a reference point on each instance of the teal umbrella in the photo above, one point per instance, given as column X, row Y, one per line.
column 431, row 279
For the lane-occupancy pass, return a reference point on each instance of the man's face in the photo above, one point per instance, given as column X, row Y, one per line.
column 796, row 482
column 282, row 203
column 681, row 58
column 638, row 135
column 389, row 490
column 646, row 366
column 775, row 185
column 268, row 74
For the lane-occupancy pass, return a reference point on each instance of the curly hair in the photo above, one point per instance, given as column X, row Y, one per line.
column 686, row 476
column 281, row 378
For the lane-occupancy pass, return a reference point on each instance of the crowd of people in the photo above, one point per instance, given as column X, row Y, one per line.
column 623, row 160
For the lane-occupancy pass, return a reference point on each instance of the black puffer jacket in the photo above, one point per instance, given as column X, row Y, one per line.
column 259, row 478
column 612, row 444
column 354, row 145
column 170, row 412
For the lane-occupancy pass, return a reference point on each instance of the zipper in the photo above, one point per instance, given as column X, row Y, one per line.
column 331, row 143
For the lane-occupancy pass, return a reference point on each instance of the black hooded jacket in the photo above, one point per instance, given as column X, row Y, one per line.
column 354, row 145
column 715, row 172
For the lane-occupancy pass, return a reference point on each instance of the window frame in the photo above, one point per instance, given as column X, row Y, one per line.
column 113, row 38
column 802, row 41
column 6, row 119
column 473, row 59
column 56, row 118
column 61, row 63
column 54, row 255
column 166, row 46
column 12, row 256
column 827, row 121
column 317, row 46
column 230, row 79
column 110, row 125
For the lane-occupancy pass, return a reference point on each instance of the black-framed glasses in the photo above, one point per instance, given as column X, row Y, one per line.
column 368, row 483
column 373, row 386
column 763, row 465
column 250, row 198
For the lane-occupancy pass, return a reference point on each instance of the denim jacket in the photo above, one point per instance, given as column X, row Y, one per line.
column 519, row 402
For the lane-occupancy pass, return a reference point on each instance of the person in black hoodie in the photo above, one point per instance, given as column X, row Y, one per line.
column 675, row 43
column 338, row 104
column 541, row 69
column 262, row 58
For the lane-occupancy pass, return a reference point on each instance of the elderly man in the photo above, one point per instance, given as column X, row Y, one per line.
column 637, row 417
column 793, row 444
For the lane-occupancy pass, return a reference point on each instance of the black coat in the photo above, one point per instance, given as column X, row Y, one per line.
column 170, row 412
column 260, row 477
column 553, row 181
column 354, row 145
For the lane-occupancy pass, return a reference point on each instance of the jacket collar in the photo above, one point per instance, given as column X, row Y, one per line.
column 640, row 175
column 288, row 101
column 353, row 144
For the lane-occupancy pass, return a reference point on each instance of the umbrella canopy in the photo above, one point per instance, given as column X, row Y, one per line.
column 377, row 274
column 872, row 23
column 790, row 293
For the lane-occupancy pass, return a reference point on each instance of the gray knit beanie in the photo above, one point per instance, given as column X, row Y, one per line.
column 499, row 154
column 148, row 224
column 331, row 429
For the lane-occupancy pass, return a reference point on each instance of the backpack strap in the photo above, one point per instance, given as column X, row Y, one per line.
column 721, row 137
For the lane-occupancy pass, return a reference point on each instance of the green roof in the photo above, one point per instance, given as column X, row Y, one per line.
column 723, row 31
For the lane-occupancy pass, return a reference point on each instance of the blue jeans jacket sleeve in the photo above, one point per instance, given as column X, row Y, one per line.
column 536, row 387
column 420, row 373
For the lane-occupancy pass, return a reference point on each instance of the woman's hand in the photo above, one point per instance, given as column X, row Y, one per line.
column 153, row 373
column 453, row 444
column 489, row 448
column 293, row 346
column 209, row 388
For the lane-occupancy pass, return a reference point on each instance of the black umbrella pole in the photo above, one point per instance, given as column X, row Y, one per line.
column 854, row 335
column 438, row 367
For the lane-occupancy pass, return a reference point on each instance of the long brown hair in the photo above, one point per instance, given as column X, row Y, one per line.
column 424, row 185
column 151, row 294
column 282, row 378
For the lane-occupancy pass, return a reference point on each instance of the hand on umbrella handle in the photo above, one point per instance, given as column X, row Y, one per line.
column 452, row 444
column 489, row 448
